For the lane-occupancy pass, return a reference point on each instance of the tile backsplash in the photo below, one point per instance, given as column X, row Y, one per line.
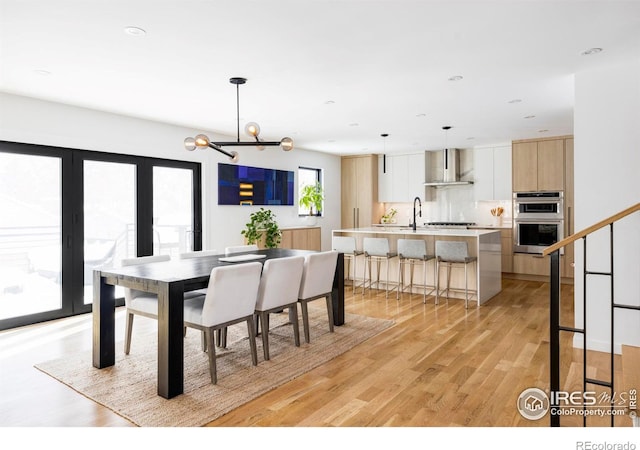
column 452, row 204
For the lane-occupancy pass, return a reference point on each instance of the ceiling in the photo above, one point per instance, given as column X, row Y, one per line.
column 333, row 75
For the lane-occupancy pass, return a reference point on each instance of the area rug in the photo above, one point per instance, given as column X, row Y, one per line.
column 129, row 387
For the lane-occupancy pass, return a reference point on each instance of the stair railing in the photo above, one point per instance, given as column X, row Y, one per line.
column 555, row 328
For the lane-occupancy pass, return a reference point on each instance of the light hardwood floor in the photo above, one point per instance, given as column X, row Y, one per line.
column 438, row 366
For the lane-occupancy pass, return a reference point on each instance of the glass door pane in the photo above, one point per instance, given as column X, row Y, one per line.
column 109, row 218
column 172, row 210
column 30, row 235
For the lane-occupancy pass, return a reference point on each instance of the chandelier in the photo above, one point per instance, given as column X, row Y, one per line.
column 202, row 141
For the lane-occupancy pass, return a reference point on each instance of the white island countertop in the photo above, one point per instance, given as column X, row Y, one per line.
column 482, row 243
column 459, row 232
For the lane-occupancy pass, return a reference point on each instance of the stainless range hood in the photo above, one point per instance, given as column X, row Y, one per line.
column 450, row 175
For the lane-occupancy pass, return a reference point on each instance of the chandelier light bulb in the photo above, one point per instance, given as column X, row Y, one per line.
column 235, row 157
column 202, row 141
column 252, row 129
column 286, row 144
column 190, row 144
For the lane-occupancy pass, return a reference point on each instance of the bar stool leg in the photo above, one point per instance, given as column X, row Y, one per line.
column 466, row 291
column 437, row 280
column 424, row 280
column 400, row 279
column 355, row 258
column 448, row 279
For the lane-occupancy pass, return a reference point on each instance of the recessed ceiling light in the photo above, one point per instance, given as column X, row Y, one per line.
column 543, row 131
column 591, row 51
column 134, row 31
column 529, row 117
column 515, row 100
column 354, row 124
column 331, row 140
column 421, row 115
column 455, row 78
column 329, row 102
column 470, row 138
column 42, row 72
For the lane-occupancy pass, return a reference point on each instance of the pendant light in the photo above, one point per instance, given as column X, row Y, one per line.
column 202, row 141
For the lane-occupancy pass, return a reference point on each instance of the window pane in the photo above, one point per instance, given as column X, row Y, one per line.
column 109, row 218
column 172, row 211
column 30, row 235
column 306, row 177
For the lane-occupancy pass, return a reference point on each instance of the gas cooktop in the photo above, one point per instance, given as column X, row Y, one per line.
column 451, row 224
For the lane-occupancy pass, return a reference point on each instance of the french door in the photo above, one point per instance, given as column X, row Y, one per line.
column 64, row 213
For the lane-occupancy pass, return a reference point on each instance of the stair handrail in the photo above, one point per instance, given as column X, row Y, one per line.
column 595, row 227
column 553, row 251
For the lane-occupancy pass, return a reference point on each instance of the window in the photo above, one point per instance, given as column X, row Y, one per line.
column 67, row 212
column 308, row 177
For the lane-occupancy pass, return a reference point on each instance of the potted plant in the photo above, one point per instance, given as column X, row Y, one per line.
column 263, row 222
column 311, row 197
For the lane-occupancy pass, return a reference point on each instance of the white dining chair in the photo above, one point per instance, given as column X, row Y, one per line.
column 230, row 299
column 240, row 248
column 197, row 254
column 317, row 282
column 454, row 254
column 279, row 287
column 138, row 302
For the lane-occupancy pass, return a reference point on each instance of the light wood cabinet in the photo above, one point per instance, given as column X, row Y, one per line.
column 538, row 165
column 545, row 165
column 360, row 207
column 506, row 241
column 568, row 267
column 531, row 264
column 304, row 238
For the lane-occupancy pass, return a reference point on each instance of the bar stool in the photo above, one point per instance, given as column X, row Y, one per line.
column 454, row 254
column 413, row 251
column 347, row 245
column 376, row 249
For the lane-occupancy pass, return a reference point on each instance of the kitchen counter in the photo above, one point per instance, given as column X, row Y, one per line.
column 483, row 243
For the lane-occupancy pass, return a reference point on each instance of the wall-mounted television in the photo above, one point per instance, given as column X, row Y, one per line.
column 244, row 185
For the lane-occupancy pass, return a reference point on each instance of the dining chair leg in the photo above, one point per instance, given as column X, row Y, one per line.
column 127, row 333
column 252, row 339
column 296, row 327
column 212, row 356
column 305, row 321
column 330, row 312
column 203, row 340
column 264, row 317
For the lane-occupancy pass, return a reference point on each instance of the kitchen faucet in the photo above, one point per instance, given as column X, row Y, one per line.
column 414, row 211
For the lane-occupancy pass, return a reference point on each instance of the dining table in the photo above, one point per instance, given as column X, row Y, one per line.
column 169, row 280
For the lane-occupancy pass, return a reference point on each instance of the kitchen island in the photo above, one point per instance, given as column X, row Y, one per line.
column 484, row 244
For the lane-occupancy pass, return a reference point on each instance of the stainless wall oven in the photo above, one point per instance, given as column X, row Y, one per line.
column 538, row 220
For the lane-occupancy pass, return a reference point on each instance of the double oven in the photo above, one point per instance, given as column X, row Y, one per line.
column 538, row 219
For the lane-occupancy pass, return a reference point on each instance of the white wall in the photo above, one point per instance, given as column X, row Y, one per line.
column 34, row 121
column 607, row 180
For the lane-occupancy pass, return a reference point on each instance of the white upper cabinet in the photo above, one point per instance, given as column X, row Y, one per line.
column 492, row 173
column 401, row 177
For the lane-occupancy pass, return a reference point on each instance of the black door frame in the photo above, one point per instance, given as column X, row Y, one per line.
column 72, row 204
